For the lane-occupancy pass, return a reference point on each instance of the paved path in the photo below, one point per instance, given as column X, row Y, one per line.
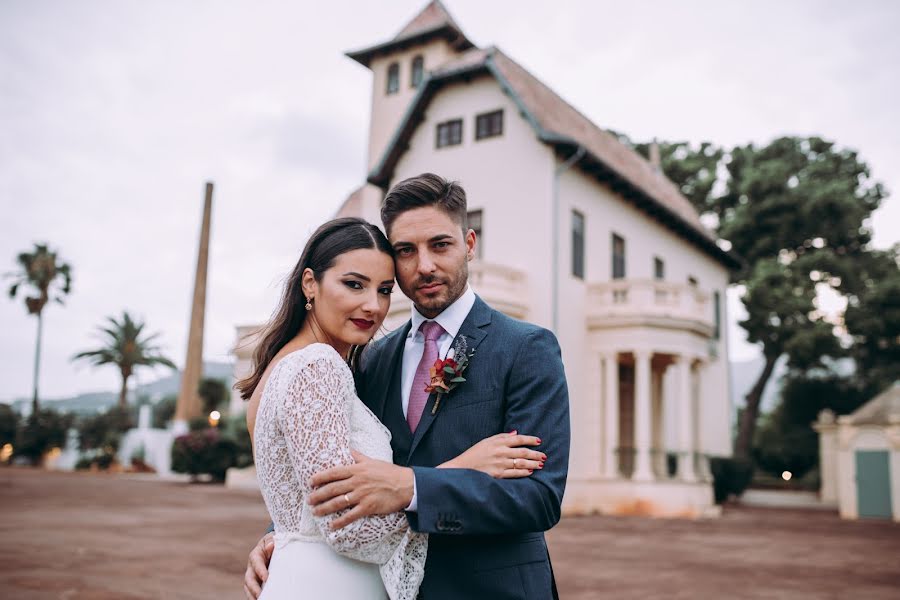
column 99, row 537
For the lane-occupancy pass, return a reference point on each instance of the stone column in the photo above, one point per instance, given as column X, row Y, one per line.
column 188, row 406
column 642, row 470
column 685, row 420
column 611, row 414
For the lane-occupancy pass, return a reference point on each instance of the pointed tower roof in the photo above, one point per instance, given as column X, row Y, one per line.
column 434, row 21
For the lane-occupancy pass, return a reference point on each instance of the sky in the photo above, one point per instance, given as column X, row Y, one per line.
column 114, row 114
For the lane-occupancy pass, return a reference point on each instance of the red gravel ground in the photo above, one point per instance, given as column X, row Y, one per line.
column 81, row 535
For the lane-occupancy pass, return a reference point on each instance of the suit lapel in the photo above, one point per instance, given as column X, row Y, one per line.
column 388, row 367
column 473, row 329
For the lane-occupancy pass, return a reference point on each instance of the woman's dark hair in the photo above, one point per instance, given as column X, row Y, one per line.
column 426, row 189
column 324, row 246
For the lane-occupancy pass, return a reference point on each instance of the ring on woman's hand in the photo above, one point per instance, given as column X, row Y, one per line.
column 515, row 463
column 347, row 499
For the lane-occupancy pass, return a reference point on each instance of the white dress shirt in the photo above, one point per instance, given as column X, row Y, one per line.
column 451, row 319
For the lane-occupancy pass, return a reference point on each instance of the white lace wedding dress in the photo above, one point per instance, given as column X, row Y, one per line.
column 309, row 418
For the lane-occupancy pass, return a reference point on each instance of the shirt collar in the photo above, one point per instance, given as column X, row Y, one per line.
column 452, row 317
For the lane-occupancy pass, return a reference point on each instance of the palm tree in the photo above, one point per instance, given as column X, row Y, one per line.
column 126, row 349
column 49, row 279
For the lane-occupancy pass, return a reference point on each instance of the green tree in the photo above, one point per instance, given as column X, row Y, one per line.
column 796, row 211
column 784, row 439
column 213, row 393
column 872, row 320
column 126, row 349
column 48, row 278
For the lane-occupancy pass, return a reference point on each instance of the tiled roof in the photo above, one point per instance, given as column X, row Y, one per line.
column 557, row 117
column 556, row 122
column 883, row 409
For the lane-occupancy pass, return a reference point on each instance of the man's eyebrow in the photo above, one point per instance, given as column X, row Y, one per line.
column 437, row 238
column 355, row 274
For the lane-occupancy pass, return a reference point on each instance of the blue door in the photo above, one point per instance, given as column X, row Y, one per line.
column 873, row 484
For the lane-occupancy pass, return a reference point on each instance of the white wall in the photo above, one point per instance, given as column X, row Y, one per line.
column 607, row 213
column 388, row 109
column 508, row 177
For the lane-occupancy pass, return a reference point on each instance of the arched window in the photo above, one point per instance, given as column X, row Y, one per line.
column 418, row 71
column 393, row 78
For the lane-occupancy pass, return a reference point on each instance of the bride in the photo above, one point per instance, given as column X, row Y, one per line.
column 304, row 417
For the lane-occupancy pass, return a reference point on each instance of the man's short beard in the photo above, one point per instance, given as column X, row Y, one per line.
column 453, row 294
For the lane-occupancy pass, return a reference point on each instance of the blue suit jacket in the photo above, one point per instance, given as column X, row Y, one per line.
column 485, row 535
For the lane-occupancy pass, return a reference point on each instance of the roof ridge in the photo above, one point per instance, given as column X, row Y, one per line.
column 590, row 123
column 434, row 15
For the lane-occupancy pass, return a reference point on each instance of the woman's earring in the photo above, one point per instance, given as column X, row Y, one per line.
column 308, row 304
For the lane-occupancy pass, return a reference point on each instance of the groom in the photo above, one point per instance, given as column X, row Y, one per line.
column 485, row 535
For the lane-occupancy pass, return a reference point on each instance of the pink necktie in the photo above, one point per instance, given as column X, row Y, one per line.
column 417, row 394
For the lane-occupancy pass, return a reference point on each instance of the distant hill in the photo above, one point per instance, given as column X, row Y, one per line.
column 94, row 402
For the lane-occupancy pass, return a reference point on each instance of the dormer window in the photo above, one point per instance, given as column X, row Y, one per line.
column 449, row 133
column 418, row 71
column 393, row 78
column 489, row 124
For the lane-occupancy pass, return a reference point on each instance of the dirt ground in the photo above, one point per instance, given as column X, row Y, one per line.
column 81, row 535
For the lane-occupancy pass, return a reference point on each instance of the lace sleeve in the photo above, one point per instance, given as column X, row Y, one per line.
column 313, row 412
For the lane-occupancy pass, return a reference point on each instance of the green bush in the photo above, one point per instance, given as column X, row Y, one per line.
column 9, row 423
column 100, row 458
column 164, row 411
column 105, row 430
column 40, row 432
column 204, row 452
column 235, row 429
column 731, row 476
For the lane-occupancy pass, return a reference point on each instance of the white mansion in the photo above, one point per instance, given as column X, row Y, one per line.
column 579, row 234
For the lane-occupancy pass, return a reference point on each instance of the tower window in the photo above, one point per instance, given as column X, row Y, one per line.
column 418, row 71
column 449, row 133
column 489, row 124
column 393, row 78
column 659, row 268
column 577, row 244
column 618, row 257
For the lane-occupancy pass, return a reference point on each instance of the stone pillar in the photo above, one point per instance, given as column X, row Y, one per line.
column 657, row 421
column 188, row 406
column 686, row 448
column 642, row 469
column 611, row 414
column 827, row 428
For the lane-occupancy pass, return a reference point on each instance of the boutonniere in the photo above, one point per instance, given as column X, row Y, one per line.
column 447, row 374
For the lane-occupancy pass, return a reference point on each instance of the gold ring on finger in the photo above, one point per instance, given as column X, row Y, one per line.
column 347, row 499
column 515, row 463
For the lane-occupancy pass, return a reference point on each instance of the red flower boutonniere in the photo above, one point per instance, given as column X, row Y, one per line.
column 447, row 374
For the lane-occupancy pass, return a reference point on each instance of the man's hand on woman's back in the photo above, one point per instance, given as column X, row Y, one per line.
column 258, row 566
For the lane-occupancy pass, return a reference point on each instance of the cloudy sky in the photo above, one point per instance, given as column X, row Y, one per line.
column 113, row 115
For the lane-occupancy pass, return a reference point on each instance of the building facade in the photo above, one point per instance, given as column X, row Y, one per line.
column 579, row 234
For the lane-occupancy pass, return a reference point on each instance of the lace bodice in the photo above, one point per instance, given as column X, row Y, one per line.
column 309, row 418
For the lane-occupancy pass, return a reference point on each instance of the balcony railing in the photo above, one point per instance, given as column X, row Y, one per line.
column 504, row 288
column 625, row 301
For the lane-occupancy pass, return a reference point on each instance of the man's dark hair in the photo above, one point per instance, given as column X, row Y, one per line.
column 426, row 189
